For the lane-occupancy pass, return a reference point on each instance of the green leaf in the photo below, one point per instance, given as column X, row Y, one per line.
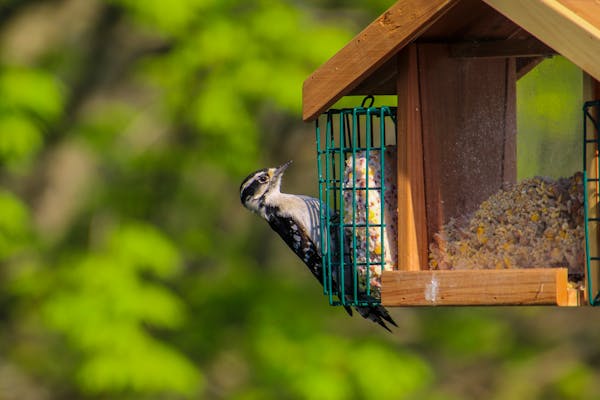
column 20, row 140
column 144, row 366
column 32, row 90
column 144, row 247
column 103, row 303
column 320, row 366
column 170, row 18
column 14, row 224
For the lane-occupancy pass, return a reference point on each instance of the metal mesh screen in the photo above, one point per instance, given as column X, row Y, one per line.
column 355, row 150
column 591, row 187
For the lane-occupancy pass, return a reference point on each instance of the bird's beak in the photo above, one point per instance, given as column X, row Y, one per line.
column 280, row 170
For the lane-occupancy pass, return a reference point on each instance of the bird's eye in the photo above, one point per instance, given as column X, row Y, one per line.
column 263, row 179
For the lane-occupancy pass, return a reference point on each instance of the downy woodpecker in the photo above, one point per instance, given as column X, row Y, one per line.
column 296, row 219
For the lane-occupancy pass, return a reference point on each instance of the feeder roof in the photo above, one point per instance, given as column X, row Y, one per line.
column 529, row 29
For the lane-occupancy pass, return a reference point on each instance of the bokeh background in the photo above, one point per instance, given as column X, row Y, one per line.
column 129, row 269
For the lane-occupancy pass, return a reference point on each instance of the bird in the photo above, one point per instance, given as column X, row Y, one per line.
column 296, row 218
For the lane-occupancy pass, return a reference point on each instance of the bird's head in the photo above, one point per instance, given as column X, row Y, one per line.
column 256, row 189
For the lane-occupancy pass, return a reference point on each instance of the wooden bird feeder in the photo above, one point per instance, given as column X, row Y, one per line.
column 447, row 61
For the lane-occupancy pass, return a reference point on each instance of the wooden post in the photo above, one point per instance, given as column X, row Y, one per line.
column 591, row 91
column 412, row 222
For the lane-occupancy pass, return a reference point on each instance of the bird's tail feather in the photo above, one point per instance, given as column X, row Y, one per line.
column 348, row 310
column 377, row 314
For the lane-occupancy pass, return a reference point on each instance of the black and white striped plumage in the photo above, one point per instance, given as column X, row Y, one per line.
column 296, row 219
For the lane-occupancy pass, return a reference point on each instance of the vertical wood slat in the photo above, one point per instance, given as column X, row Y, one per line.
column 412, row 222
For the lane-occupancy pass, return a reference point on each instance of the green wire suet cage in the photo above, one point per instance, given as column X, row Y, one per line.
column 345, row 137
column 591, row 137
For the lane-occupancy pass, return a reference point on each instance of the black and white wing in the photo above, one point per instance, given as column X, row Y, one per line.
column 306, row 246
column 298, row 240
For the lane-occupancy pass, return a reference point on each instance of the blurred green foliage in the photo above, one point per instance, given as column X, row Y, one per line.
column 15, row 225
column 128, row 268
column 107, row 315
column 31, row 99
column 549, row 103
